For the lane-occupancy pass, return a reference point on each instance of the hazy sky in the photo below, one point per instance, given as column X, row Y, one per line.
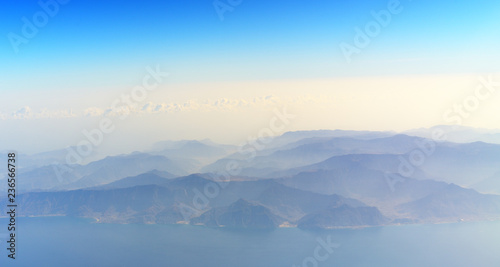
column 63, row 68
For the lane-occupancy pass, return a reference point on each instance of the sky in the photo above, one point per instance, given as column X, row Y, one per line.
column 361, row 65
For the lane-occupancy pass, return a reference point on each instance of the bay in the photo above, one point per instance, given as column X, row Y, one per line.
column 66, row 241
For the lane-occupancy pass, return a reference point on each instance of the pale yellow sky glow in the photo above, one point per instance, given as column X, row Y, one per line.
column 370, row 103
column 231, row 112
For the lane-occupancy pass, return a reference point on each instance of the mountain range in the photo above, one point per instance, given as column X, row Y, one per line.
column 307, row 179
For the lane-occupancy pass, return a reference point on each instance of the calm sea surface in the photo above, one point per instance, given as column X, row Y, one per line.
column 63, row 241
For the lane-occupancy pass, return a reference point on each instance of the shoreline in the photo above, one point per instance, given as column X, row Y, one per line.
column 97, row 220
column 100, row 221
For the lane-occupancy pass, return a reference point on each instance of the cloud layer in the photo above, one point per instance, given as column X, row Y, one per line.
column 221, row 104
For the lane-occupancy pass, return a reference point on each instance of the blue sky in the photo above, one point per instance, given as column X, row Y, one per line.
column 257, row 40
column 90, row 52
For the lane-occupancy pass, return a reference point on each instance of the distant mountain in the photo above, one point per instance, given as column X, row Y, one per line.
column 107, row 170
column 489, row 185
column 459, row 134
column 153, row 199
column 323, row 199
column 84, row 202
column 44, row 158
column 240, row 214
column 386, row 163
column 149, row 178
column 163, row 174
column 463, row 164
column 204, row 151
column 44, row 178
column 169, row 144
column 294, row 136
column 312, row 179
column 293, row 204
column 114, row 168
column 372, row 187
column 313, row 150
column 58, row 156
column 453, row 203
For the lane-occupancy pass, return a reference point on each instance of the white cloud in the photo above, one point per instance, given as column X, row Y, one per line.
column 47, row 114
column 148, row 107
column 220, row 104
column 22, row 113
column 93, row 112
